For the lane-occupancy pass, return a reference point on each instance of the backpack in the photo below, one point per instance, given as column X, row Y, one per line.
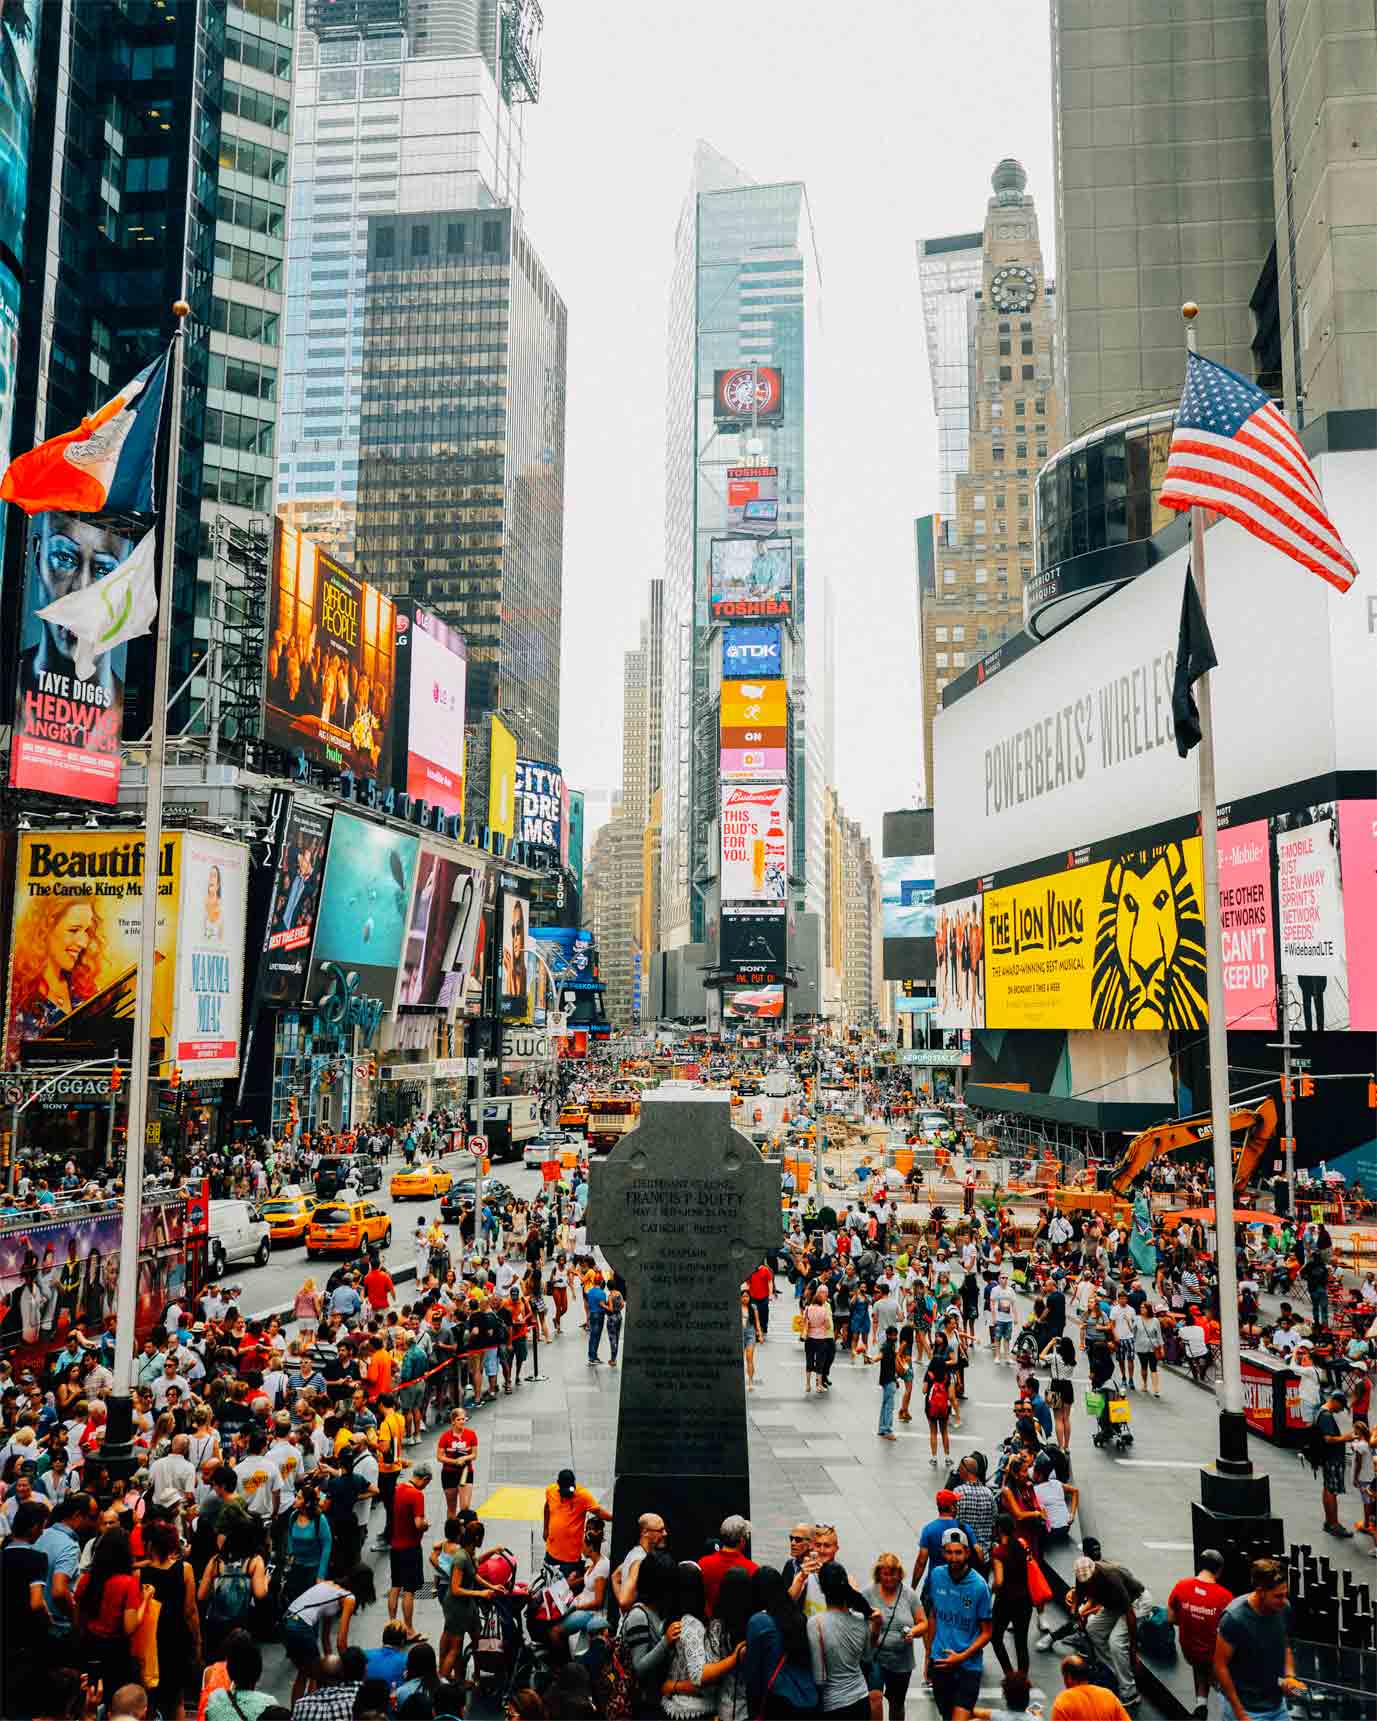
column 1156, row 1637
column 231, row 1595
column 938, row 1400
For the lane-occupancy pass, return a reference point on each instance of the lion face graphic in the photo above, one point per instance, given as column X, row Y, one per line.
column 1149, row 946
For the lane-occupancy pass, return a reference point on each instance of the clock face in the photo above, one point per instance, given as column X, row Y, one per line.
column 1013, row 288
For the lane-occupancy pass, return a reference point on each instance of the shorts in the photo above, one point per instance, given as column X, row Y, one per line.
column 301, row 1643
column 412, row 1397
column 894, row 1682
column 955, row 1688
column 1334, row 1468
column 406, row 1570
column 455, row 1476
column 461, row 1615
column 1060, row 1392
column 490, row 1362
column 1002, row 1330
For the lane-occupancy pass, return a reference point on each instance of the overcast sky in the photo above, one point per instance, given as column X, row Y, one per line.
column 894, row 113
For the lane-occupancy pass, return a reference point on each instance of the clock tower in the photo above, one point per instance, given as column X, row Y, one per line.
column 972, row 597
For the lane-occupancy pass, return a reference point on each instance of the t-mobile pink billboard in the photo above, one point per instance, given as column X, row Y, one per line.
column 1245, row 919
column 1358, row 858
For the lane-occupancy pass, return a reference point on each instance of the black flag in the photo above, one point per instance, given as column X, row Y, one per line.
column 1194, row 655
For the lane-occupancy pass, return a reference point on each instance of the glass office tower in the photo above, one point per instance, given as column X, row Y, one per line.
column 744, row 289
column 461, row 450
column 398, row 107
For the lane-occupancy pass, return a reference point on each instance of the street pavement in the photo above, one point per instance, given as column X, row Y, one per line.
column 274, row 1286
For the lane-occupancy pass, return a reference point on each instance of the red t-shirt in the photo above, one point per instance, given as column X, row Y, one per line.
column 120, row 1592
column 457, row 1447
column 715, row 1567
column 762, row 1283
column 1198, row 1605
column 377, row 1283
column 408, row 1509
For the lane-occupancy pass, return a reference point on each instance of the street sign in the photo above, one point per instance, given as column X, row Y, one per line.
column 14, row 1093
column 478, row 1146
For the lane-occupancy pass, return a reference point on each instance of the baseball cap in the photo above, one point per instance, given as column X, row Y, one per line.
column 946, row 1497
column 955, row 1537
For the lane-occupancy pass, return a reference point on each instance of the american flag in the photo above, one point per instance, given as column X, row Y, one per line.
column 1233, row 452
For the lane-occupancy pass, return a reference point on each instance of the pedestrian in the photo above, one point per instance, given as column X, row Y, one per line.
column 457, row 1451
column 818, row 1341
column 762, row 1288
column 937, row 1400
column 902, row 1623
column 595, row 1308
column 1254, row 1665
column 959, row 1624
column 1148, row 1345
column 779, row 1670
column 1194, row 1607
column 409, row 1524
column 566, row 1507
column 1003, row 1314
column 840, row 1640
column 750, row 1334
column 889, row 1382
column 1009, row 1584
column 1060, row 1356
column 1113, row 1625
column 1330, row 1459
column 1081, row 1700
column 306, row 1313
column 318, row 1614
column 615, row 1314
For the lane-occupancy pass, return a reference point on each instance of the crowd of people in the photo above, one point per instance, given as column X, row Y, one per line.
column 268, row 1454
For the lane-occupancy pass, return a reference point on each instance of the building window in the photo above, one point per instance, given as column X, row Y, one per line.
column 1020, row 408
column 1040, row 407
column 978, row 500
column 997, row 454
column 1004, row 349
column 996, row 409
column 959, row 659
column 385, row 242
column 420, row 241
column 1042, row 451
column 941, row 660
column 949, row 576
column 982, row 576
column 979, row 525
column 454, row 238
column 1003, row 328
column 941, row 632
column 1027, row 373
column 1023, row 498
column 1021, row 450
column 492, row 236
column 958, row 632
column 1026, row 326
column 1006, row 373
column 1025, row 345
column 999, row 500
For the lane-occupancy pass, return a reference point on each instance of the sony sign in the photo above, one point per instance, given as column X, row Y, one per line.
column 525, row 1046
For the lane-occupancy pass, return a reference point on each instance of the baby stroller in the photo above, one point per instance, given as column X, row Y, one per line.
column 501, row 1640
column 1115, row 1420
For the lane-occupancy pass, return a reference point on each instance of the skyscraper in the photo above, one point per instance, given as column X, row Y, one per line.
column 399, row 106
column 642, row 684
column 157, row 169
column 950, row 270
column 744, row 291
column 973, row 562
column 1164, row 193
column 461, row 446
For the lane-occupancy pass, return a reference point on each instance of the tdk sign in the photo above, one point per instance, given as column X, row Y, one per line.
column 748, row 652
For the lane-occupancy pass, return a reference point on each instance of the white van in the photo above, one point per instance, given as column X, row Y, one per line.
column 238, row 1236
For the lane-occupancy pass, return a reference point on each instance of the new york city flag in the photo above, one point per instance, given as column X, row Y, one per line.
column 105, row 465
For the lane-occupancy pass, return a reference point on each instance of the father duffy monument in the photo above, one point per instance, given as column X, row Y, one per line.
column 683, row 1207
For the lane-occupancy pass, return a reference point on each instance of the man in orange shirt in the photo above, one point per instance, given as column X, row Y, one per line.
column 390, row 1437
column 378, row 1370
column 1082, row 1701
column 378, row 1288
column 566, row 1507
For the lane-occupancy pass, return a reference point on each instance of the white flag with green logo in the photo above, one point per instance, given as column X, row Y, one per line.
column 120, row 607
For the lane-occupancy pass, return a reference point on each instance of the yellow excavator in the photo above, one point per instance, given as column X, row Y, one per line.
column 1256, row 1125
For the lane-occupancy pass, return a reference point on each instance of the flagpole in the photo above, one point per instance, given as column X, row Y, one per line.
column 119, row 1450
column 1233, row 1429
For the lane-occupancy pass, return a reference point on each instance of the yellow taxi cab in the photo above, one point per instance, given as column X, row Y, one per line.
column 423, row 1180
column 344, row 1227
column 573, row 1116
column 289, row 1216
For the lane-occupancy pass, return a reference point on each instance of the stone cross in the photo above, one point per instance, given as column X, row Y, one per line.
column 684, row 1208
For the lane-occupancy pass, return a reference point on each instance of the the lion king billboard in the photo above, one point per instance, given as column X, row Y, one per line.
column 1115, row 944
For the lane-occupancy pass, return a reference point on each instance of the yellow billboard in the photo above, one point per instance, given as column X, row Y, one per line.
column 74, row 956
column 501, row 778
column 1113, row 944
column 754, row 705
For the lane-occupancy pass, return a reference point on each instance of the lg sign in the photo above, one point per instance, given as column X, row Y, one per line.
column 750, row 652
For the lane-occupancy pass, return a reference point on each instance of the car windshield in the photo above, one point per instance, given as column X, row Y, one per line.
column 281, row 1203
column 332, row 1216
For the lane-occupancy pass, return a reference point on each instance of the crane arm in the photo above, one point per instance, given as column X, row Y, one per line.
column 1257, row 1125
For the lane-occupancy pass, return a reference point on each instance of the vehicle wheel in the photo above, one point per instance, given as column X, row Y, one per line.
column 310, row 1254
column 387, row 1238
column 261, row 1256
column 217, row 1261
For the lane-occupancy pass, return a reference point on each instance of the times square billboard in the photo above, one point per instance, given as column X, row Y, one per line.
column 431, row 684
column 331, row 661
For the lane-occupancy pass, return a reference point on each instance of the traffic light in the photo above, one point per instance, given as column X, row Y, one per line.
column 1372, row 1095
column 1307, row 1087
column 1287, row 1091
column 174, row 1081
column 116, row 1079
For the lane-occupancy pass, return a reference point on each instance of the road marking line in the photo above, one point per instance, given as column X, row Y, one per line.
column 1162, row 1463
column 1171, row 1547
